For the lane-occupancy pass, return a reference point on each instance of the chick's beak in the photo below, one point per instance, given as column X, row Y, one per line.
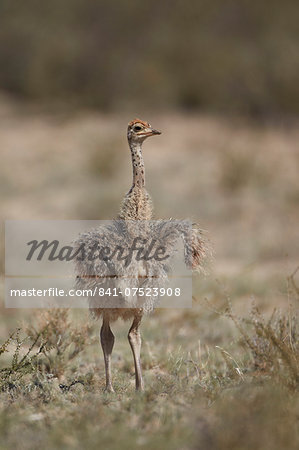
column 153, row 131
column 150, row 132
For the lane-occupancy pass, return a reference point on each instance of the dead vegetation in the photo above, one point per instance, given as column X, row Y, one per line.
column 226, row 396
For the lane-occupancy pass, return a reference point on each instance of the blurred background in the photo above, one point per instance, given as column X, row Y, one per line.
column 237, row 57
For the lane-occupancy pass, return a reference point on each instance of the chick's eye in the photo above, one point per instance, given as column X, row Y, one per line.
column 137, row 128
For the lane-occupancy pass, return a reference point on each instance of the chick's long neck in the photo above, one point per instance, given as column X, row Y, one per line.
column 137, row 204
column 137, row 164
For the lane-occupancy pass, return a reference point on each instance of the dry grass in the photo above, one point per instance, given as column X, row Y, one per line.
column 195, row 397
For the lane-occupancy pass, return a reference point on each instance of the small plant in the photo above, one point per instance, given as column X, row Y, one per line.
column 62, row 341
column 19, row 365
column 273, row 345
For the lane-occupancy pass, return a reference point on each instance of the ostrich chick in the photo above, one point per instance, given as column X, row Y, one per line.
column 136, row 206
